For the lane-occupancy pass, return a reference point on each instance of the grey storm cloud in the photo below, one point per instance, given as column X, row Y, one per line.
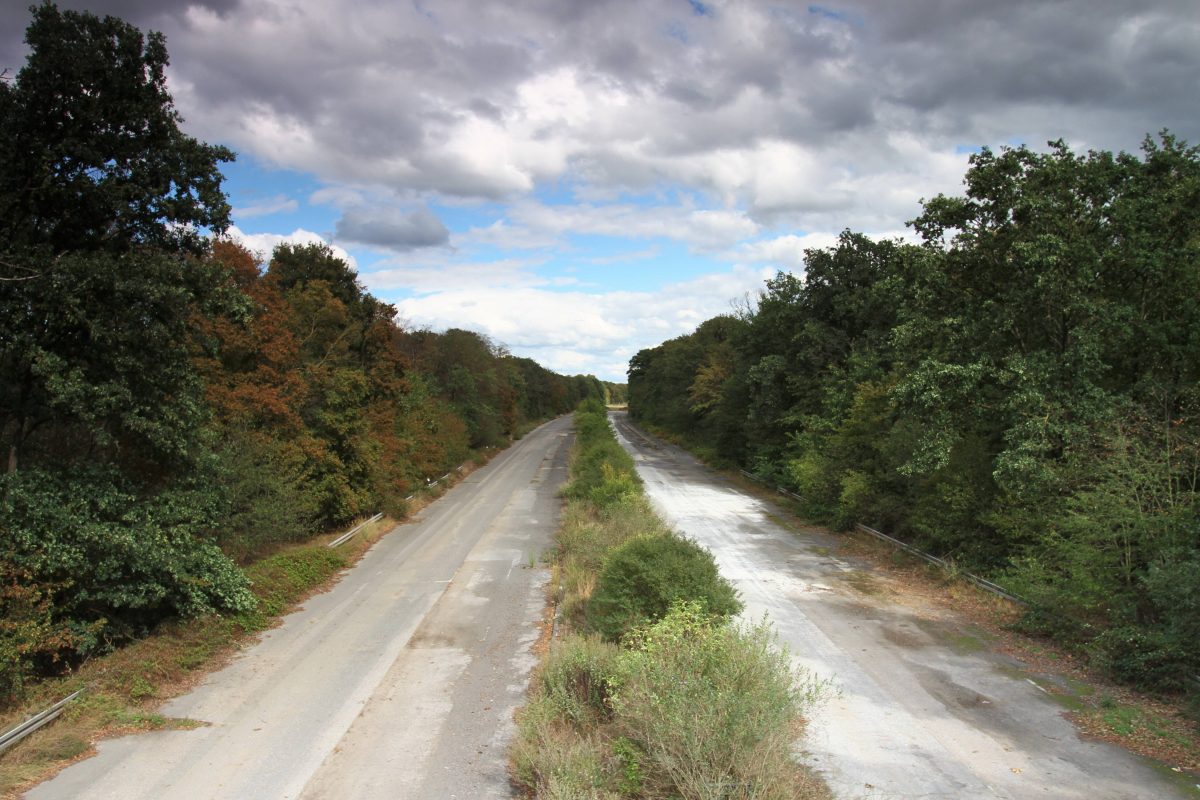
column 146, row 14
column 391, row 229
column 489, row 99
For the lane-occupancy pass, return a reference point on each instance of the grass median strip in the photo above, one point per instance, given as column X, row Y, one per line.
column 652, row 691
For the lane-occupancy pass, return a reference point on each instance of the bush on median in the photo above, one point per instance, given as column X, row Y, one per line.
column 691, row 706
column 643, row 577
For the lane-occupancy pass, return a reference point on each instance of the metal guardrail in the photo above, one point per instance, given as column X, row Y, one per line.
column 780, row 489
column 905, row 546
column 36, row 721
column 434, row 482
column 351, row 533
column 982, row 583
column 345, row 537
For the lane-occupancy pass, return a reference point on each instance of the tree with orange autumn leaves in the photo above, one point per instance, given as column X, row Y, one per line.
column 168, row 404
column 328, row 409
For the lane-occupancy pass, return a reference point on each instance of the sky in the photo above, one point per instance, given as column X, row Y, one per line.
column 583, row 179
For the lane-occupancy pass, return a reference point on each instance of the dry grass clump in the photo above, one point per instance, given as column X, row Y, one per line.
column 689, row 707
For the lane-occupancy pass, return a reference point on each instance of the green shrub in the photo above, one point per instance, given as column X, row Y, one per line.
column 856, row 499
column 813, row 478
column 577, row 677
column 591, row 460
column 631, row 758
column 1172, row 587
column 707, row 710
column 645, row 575
column 1147, row 659
column 616, row 486
column 116, row 554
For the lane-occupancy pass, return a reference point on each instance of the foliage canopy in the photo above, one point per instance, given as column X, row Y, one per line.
column 170, row 405
column 1019, row 392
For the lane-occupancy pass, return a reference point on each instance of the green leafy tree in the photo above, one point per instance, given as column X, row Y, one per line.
column 101, row 196
column 108, row 495
column 1018, row 392
column 93, row 157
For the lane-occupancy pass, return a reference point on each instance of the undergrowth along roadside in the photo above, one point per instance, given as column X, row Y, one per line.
column 1159, row 728
column 124, row 687
column 651, row 691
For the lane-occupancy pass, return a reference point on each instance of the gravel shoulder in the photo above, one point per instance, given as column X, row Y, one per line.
column 920, row 709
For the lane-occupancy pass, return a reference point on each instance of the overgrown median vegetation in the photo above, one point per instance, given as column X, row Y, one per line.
column 651, row 691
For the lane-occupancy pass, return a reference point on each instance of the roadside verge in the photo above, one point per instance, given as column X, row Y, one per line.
column 123, row 690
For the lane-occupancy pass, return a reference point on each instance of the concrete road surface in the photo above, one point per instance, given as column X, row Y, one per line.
column 398, row 683
column 916, row 717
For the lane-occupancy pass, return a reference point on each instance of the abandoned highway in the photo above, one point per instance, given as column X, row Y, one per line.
column 400, row 682
column 911, row 714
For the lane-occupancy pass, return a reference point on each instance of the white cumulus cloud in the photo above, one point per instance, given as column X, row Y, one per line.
column 572, row 331
column 263, row 244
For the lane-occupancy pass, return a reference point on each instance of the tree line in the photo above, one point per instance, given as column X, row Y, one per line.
column 169, row 404
column 1018, row 392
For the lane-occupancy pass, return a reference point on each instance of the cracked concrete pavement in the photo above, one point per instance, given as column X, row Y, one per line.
column 913, row 716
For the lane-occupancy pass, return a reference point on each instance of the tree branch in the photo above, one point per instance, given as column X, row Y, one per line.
column 19, row 268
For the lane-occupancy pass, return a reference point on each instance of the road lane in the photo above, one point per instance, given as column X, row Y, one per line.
column 400, row 682
column 916, row 716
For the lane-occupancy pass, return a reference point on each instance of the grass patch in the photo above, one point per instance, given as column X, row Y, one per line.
column 1126, row 719
column 966, row 643
column 862, row 582
column 286, row 577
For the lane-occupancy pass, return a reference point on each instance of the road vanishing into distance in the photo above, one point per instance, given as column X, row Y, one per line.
column 917, row 714
column 399, row 683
